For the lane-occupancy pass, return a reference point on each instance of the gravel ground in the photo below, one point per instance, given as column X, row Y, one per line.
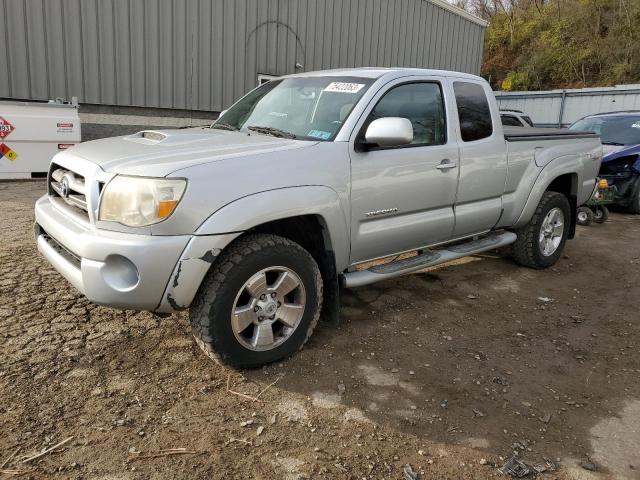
column 449, row 370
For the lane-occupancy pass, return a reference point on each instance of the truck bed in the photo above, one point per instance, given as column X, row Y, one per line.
column 522, row 134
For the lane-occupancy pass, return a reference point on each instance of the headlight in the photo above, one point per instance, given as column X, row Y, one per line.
column 139, row 201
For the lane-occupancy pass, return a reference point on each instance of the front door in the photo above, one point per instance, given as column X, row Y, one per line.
column 402, row 197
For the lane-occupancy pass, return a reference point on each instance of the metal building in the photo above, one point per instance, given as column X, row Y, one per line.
column 555, row 108
column 204, row 54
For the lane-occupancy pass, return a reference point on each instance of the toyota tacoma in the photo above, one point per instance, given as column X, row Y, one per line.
column 309, row 183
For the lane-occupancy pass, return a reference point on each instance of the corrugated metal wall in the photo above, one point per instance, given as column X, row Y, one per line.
column 563, row 107
column 203, row 54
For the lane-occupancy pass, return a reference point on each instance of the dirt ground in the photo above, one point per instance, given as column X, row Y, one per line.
column 449, row 371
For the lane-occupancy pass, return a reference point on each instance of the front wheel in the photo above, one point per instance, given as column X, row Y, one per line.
column 541, row 241
column 259, row 302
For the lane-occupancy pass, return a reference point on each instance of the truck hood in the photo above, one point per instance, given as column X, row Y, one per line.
column 620, row 160
column 158, row 153
column 612, row 152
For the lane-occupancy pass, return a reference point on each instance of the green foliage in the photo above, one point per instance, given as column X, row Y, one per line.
column 542, row 44
column 516, row 81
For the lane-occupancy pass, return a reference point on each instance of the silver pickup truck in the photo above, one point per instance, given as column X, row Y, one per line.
column 256, row 222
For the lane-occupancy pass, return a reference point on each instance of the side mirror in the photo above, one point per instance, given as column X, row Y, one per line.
column 389, row 132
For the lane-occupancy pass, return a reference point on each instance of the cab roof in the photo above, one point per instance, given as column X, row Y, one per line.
column 379, row 72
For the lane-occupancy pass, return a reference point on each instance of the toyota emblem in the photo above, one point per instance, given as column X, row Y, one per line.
column 64, row 187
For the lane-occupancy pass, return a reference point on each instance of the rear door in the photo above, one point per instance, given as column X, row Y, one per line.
column 483, row 159
column 402, row 197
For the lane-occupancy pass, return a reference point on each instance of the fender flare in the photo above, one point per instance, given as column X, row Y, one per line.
column 263, row 207
column 230, row 221
column 564, row 165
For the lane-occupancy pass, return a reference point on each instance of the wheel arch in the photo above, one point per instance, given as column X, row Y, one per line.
column 311, row 216
column 310, row 231
column 567, row 184
column 562, row 175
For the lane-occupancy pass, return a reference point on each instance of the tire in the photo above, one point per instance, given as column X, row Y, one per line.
column 224, row 292
column 634, row 205
column 584, row 216
column 527, row 249
column 601, row 214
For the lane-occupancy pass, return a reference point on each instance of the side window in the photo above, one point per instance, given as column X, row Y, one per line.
column 510, row 121
column 473, row 111
column 420, row 103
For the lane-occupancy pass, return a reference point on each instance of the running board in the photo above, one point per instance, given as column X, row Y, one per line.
column 427, row 259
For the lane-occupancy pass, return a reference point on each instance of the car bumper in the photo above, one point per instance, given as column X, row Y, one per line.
column 140, row 272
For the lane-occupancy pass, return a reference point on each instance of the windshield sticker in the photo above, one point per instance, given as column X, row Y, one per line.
column 278, row 114
column 319, row 134
column 344, row 87
column 636, row 125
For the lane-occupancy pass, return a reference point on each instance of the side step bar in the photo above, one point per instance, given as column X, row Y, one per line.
column 427, row 259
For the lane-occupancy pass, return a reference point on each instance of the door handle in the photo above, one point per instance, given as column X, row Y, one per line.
column 446, row 165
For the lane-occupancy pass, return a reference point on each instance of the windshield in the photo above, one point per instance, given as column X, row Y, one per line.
column 613, row 129
column 306, row 108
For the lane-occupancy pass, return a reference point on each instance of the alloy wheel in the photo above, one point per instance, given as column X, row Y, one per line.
column 268, row 308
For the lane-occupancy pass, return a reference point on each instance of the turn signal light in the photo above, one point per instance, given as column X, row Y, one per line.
column 165, row 208
column 603, row 183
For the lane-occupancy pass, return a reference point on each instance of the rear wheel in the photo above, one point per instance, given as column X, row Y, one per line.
column 601, row 214
column 584, row 216
column 541, row 241
column 259, row 303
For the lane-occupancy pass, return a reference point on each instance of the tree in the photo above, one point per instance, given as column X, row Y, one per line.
column 543, row 44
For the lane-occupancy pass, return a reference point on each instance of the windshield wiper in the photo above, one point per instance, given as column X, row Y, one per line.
column 617, row 144
column 275, row 132
column 224, row 126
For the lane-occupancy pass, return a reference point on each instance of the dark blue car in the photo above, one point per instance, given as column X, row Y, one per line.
column 620, row 136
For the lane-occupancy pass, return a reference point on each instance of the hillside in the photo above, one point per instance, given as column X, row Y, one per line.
column 544, row 44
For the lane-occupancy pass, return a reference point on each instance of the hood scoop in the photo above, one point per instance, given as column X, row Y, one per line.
column 166, row 138
column 153, row 136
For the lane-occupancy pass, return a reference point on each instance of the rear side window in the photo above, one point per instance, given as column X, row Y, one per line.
column 422, row 104
column 510, row 121
column 473, row 111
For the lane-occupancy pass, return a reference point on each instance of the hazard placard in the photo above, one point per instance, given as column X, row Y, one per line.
column 5, row 128
column 6, row 152
column 65, row 127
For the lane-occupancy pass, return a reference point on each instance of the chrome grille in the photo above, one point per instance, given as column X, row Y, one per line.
column 70, row 187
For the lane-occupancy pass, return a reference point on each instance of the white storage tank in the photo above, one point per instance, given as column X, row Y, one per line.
column 31, row 133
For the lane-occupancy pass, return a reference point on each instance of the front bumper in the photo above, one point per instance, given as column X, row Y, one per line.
column 140, row 272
